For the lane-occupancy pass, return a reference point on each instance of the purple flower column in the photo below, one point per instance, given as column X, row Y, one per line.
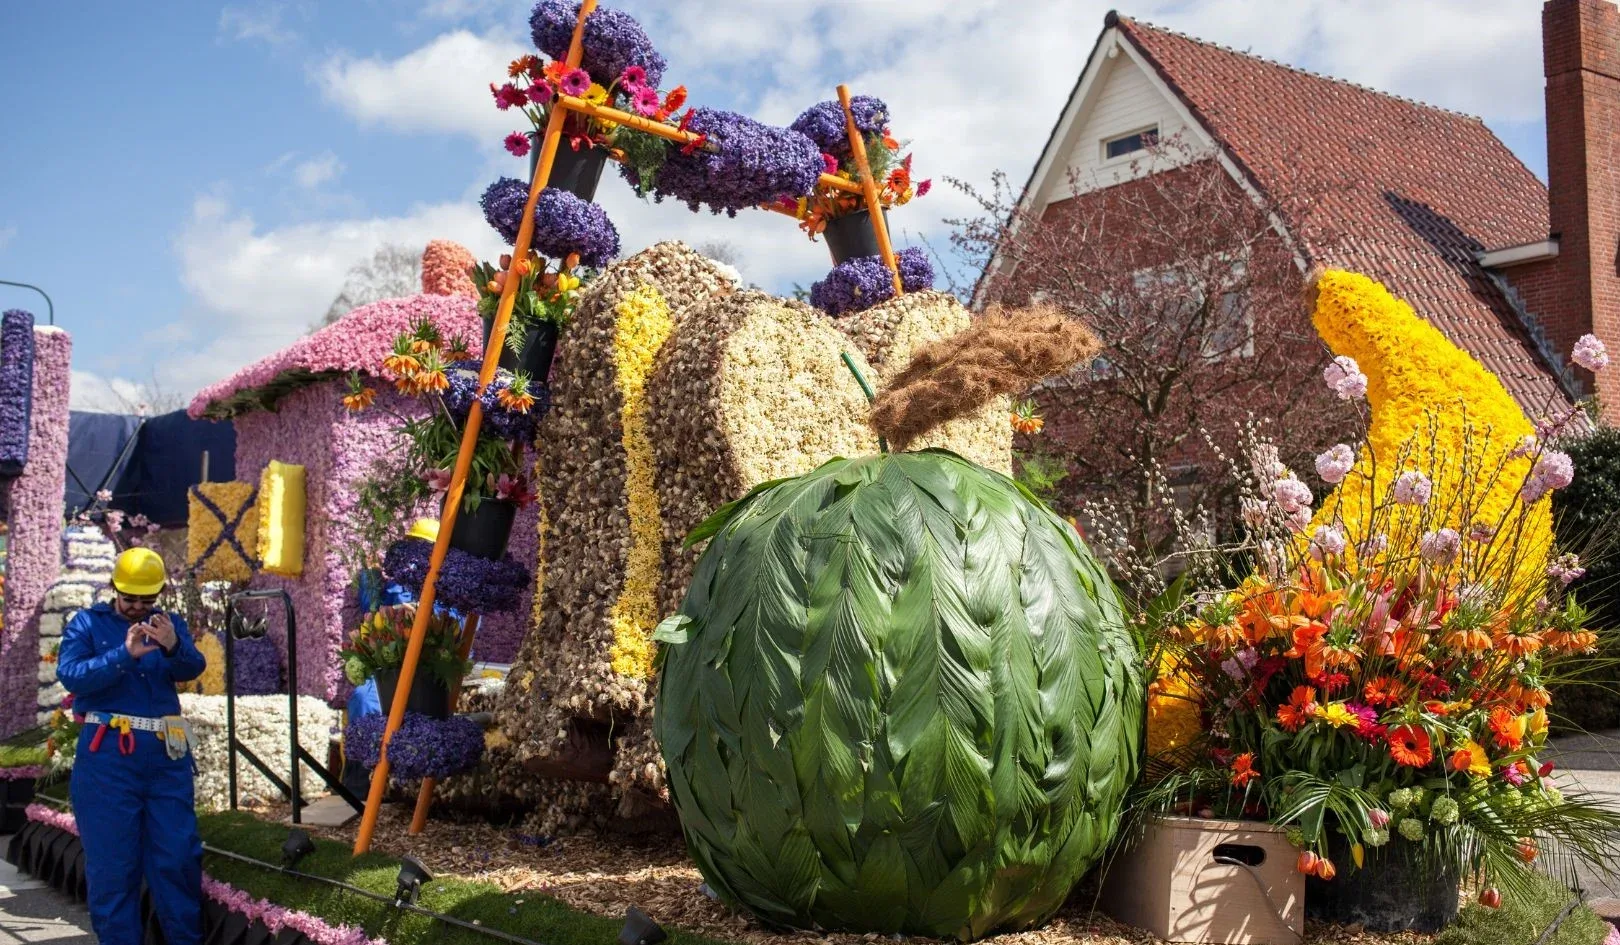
column 16, row 389
column 34, row 549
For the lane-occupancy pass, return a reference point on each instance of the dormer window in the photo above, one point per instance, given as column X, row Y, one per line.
column 1123, row 145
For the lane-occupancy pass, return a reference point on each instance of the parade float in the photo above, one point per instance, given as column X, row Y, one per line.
column 630, row 552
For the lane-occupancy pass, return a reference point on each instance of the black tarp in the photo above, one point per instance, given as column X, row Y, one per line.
column 99, row 448
column 167, row 462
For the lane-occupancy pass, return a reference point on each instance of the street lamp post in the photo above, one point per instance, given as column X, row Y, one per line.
column 49, row 306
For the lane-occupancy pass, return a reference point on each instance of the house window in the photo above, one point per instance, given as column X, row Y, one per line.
column 1130, row 144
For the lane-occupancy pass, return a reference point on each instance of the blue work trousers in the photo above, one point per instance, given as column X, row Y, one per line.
column 138, row 820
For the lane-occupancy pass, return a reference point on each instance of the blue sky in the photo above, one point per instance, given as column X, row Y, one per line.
column 190, row 181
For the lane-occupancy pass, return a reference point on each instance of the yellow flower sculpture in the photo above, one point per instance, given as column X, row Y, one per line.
column 1434, row 409
column 642, row 327
column 1173, row 709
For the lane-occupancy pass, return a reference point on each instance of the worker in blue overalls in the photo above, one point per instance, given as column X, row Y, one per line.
column 132, row 776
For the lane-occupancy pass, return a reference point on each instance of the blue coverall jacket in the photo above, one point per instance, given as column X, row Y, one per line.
column 135, row 805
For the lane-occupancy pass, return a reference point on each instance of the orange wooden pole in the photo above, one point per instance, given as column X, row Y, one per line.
column 469, row 442
column 857, row 145
column 424, row 796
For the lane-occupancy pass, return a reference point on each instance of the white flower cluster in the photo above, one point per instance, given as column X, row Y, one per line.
column 87, row 568
column 262, row 726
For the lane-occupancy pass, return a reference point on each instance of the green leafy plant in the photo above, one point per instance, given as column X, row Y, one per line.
column 543, row 297
column 1584, row 518
column 1040, row 472
column 383, row 505
column 899, row 697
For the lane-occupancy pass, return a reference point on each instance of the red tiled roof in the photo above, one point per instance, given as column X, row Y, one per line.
column 1411, row 191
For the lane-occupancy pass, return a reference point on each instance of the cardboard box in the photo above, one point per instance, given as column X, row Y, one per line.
column 1209, row 881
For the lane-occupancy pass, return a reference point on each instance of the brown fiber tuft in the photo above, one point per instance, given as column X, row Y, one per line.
column 1002, row 352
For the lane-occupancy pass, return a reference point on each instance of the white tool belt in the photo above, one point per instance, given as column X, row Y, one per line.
column 135, row 722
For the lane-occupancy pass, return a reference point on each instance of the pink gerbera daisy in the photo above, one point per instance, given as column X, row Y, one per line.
column 576, row 83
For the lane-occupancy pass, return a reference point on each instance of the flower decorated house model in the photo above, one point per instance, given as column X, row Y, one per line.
column 1379, row 686
column 288, row 408
column 900, row 696
column 33, row 473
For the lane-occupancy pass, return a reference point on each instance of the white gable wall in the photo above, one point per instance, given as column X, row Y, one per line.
column 1126, row 102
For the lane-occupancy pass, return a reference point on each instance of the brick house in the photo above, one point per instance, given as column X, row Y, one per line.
column 1429, row 202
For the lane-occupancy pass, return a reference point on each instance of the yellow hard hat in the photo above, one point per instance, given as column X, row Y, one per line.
column 426, row 529
column 139, row 572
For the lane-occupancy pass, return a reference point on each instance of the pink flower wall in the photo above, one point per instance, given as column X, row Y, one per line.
column 34, row 549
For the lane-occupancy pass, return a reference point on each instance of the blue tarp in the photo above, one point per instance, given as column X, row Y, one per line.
column 98, row 452
column 167, row 462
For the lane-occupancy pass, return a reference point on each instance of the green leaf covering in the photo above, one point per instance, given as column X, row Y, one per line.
column 899, row 697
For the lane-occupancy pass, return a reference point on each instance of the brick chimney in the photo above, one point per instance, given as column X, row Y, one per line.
column 1580, row 41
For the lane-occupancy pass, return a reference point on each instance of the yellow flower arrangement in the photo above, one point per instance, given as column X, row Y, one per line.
column 1433, row 409
column 1173, row 709
column 643, row 325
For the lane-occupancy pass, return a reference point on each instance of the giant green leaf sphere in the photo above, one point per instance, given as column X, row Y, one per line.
column 899, row 697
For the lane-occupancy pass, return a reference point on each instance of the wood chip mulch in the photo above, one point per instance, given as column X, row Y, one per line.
column 605, row 875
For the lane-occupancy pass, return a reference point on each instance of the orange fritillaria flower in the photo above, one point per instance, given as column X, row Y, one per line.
column 1468, row 641
column 1243, row 770
column 401, row 365
column 1530, row 697
column 1409, row 745
column 1562, row 641
column 520, row 401
column 360, row 399
column 1517, row 643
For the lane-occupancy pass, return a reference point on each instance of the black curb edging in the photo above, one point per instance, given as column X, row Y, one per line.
column 56, row 857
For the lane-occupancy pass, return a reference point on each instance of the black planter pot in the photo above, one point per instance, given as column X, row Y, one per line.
column 1393, row 892
column 577, row 172
column 539, row 347
column 429, row 695
column 484, row 532
column 850, row 236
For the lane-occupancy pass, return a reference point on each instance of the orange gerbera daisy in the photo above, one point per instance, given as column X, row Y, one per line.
column 1243, row 770
column 1508, row 729
column 1299, row 711
column 1409, row 745
column 1381, row 691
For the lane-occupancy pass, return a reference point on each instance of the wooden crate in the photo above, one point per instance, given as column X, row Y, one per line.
column 1172, row 883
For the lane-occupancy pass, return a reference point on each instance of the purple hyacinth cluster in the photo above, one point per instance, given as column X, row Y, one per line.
column 258, row 665
column 613, row 40
column 467, row 583
column 421, row 748
column 755, row 164
column 857, row 284
column 563, row 224
column 16, row 389
column 500, row 421
column 503, row 203
column 824, row 124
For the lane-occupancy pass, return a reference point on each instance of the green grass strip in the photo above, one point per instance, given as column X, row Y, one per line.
column 1521, row 921
column 528, row 914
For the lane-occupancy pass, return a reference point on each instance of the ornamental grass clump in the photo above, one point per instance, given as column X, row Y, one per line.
column 1378, row 683
column 899, row 695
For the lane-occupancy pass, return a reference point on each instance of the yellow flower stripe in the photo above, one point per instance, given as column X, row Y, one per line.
column 1173, row 708
column 203, row 526
column 643, row 325
column 1423, row 388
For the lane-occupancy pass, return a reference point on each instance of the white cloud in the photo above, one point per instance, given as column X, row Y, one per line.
column 93, row 392
column 440, row 87
column 262, row 22
column 318, row 170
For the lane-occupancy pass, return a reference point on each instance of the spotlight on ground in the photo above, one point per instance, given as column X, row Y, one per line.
column 640, row 930
column 412, row 874
column 297, row 846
